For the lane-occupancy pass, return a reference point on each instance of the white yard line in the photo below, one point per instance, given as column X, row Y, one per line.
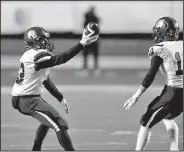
column 122, row 132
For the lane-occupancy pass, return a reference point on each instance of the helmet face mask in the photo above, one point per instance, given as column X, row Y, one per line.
column 176, row 25
column 165, row 29
column 37, row 38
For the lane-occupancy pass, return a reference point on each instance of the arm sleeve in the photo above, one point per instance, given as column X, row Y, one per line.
column 49, row 85
column 156, row 61
column 60, row 58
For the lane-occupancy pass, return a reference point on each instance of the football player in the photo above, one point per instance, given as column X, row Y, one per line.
column 166, row 54
column 33, row 75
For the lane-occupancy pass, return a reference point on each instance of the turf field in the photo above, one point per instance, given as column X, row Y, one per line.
column 96, row 116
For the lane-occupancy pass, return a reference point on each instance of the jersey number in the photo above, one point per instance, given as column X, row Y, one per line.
column 20, row 77
column 179, row 71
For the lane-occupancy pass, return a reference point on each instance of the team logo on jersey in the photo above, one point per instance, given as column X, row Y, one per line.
column 151, row 52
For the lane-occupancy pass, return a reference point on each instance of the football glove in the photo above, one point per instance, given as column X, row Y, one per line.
column 65, row 104
column 130, row 102
column 88, row 39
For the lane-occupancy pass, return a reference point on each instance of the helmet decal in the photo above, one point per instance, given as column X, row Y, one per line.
column 32, row 34
column 160, row 23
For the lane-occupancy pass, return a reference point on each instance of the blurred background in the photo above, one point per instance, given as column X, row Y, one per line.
column 96, row 83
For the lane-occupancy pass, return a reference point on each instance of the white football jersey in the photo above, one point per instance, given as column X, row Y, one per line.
column 29, row 81
column 172, row 67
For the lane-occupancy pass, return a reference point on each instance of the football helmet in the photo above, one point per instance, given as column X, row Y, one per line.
column 166, row 28
column 37, row 38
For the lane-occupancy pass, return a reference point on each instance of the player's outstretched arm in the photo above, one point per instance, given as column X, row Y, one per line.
column 49, row 85
column 156, row 61
column 69, row 54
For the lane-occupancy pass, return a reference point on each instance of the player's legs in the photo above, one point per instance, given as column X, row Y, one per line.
column 60, row 129
column 48, row 116
column 62, row 136
column 85, row 53
column 158, row 109
column 173, row 131
column 95, row 54
column 143, row 138
column 171, row 126
column 64, row 139
column 24, row 109
column 40, row 136
column 145, row 129
column 148, row 120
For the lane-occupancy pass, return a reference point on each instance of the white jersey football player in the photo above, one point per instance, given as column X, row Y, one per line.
column 33, row 75
column 172, row 67
column 29, row 80
column 166, row 55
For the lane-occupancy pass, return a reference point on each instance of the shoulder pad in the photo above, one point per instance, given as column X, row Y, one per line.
column 42, row 55
column 158, row 50
column 154, row 50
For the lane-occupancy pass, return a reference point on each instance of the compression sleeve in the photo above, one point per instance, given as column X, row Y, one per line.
column 49, row 85
column 156, row 61
column 60, row 58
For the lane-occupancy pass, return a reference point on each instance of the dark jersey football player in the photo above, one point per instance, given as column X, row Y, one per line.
column 166, row 54
column 33, row 75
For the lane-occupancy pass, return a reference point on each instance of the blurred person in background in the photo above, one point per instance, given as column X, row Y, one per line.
column 90, row 16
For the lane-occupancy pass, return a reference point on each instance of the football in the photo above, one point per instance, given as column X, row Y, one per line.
column 92, row 27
